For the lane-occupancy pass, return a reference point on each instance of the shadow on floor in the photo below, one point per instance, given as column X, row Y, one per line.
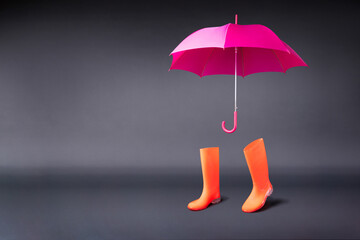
column 224, row 198
column 273, row 202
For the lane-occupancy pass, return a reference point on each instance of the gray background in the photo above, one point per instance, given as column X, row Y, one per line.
column 86, row 85
column 99, row 141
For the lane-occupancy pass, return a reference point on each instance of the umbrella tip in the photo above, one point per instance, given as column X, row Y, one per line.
column 235, row 18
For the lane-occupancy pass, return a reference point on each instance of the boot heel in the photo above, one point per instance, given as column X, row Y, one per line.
column 216, row 201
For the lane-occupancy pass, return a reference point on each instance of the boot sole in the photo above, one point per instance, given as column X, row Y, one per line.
column 216, row 201
column 268, row 194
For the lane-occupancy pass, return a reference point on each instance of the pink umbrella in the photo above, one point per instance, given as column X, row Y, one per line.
column 253, row 49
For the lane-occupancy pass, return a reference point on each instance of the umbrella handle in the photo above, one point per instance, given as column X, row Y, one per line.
column 235, row 124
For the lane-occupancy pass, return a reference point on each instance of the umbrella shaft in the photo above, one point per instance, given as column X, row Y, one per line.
column 235, row 78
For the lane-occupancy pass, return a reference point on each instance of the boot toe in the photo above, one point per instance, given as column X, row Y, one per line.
column 198, row 204
column 254, row 203
column 193, row 205
column 249, row 206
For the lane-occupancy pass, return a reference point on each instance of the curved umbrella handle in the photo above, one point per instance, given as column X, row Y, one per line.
column 235, row 124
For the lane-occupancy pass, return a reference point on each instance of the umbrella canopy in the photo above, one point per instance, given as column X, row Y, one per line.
column 210, row 51
column 234, row 49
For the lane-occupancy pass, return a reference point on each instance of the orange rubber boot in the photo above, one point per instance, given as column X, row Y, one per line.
column 257, row 162
column 211, row 183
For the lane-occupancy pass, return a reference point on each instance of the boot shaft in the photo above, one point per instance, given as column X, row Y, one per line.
column 210, row 168
column 256, row 159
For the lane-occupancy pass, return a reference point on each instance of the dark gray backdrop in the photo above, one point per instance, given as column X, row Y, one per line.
column 99, row 141
column 85, row 85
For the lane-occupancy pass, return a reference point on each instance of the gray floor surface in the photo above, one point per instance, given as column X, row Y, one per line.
column 153, row 206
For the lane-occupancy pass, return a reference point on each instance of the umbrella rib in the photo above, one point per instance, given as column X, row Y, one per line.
column 173, row 62
column 202, row 73
column 283, row 43
column 278, row 60
column 226, row 30
column 243, row 62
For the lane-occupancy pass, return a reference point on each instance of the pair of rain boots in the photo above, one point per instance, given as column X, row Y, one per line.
column 257, row 162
